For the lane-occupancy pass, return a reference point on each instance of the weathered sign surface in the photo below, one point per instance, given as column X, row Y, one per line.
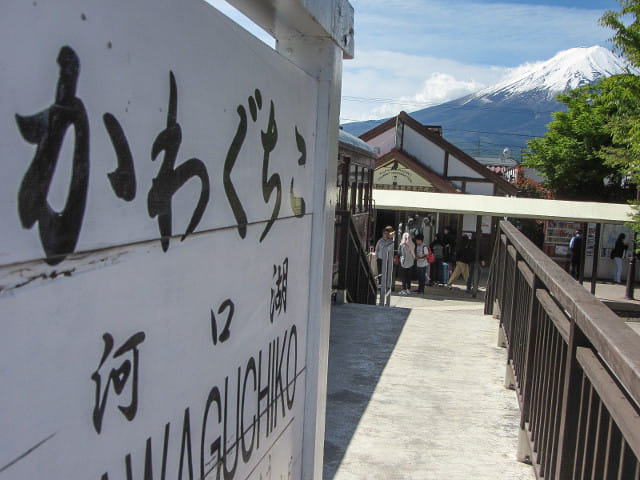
column 154, row 249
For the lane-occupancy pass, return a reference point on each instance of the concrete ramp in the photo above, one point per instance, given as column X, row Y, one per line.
column 416, row 391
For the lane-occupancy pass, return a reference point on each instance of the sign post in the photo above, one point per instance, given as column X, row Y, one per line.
column 164, row 281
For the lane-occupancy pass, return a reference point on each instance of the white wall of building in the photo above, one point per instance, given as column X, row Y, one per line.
column 459, row 169
column 422, row 149
column 479, row 188
column 383, row 143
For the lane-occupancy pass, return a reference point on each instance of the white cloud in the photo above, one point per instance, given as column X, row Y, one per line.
column 379, row 84
column 489, row 32
column 414, row 53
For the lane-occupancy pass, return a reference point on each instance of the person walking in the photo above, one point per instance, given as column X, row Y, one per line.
column 407, row 252
column 463, row 259
column 475, row 268
column 617, row 253
column 575, row 245
column 437, row 247
column 422, row 262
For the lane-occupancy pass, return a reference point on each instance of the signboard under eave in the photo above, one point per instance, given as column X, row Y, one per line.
column 395, row 175
column 154, row 255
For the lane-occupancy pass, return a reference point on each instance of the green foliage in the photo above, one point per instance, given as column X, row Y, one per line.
column 592, row 151
column 626, row 40
column 623, row 96
column 570, row 154
column 621, row 100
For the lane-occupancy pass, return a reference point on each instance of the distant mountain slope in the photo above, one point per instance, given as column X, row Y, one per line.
column 509, row 113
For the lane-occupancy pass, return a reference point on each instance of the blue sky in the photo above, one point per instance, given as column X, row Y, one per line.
column 417, row 53
column 414, row 53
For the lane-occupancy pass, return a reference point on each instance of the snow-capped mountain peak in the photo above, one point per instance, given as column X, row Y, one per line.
column 567, row 70
column 517, row 108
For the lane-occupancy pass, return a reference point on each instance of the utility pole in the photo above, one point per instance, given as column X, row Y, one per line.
column 631, row 274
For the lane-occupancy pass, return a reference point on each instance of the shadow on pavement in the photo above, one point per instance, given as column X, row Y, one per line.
column 361, row 342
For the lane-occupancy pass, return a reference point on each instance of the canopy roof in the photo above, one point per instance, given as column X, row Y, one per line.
column 503, row 206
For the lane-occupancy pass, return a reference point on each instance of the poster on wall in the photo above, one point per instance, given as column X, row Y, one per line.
column 610, row 234
column 154, row 254
column 557, row 236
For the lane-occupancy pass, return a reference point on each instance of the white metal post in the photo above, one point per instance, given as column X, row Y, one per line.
column 386, row 283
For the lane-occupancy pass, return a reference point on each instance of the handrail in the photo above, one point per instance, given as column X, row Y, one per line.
column 574, row 364
column 354, row 273
column 385, row 261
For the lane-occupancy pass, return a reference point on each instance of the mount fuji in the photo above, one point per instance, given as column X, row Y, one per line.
column 516, row 109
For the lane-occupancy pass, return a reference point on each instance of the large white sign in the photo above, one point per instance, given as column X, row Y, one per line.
column 154, row 250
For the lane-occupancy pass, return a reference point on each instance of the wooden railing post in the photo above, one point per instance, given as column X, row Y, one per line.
column 508, row 313
column 490, row 294
column 570, row 398
column 575, row 367
column 525, row 453
column 533, row 316
column 596, row 255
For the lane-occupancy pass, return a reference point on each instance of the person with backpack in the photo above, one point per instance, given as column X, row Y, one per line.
column 575, row 245
column 422, row 262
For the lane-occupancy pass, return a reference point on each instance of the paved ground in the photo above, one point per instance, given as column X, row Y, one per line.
column 416, row 391
column 613, row 295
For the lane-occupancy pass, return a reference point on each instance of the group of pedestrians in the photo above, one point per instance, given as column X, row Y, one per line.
column 617, row 254
column 465, row 264
column 430, row 260
column 417, row 253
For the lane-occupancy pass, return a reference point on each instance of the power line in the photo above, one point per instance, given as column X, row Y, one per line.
column 395, row 101
column 461, row 130
column 493, row 133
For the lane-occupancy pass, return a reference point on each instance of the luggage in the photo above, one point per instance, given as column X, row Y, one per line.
column 445, row 272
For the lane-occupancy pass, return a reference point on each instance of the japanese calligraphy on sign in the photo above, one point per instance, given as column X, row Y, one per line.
column 157, row 210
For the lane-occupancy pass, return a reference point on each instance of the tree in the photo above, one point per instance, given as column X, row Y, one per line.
column 570, row 155
column 532, row 228
column 592, row 151
column 621, row 101
column 623, row 96
column 528, row 188
column 626, row 40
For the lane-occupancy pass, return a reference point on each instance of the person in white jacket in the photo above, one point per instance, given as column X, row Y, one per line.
column 382, row 247
column 407, row 251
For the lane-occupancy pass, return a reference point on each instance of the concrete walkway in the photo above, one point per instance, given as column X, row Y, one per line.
column 416, row 391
